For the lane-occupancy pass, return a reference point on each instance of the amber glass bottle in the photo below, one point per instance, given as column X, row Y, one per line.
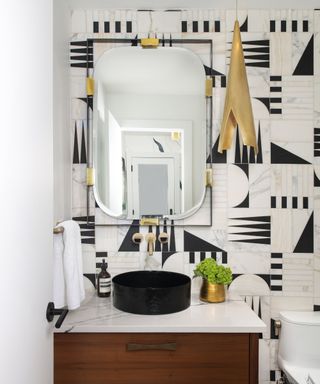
column 104, row 281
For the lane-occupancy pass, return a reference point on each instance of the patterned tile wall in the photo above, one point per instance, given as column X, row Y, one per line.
column 268, row 228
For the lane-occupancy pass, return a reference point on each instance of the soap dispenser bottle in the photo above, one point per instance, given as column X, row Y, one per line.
column 104, row 281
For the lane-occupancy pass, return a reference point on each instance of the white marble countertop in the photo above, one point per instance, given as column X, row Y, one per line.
column 98, row 315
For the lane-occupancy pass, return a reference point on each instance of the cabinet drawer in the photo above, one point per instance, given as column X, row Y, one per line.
column 138, row 358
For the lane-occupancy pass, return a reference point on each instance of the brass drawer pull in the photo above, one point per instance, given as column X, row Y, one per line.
column 149, row 347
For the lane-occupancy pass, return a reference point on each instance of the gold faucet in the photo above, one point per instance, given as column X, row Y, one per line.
column 150, row 238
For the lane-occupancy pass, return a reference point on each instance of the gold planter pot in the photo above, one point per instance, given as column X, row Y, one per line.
column 212, row 293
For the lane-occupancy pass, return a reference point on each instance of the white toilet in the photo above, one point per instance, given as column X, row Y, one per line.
column 299, row 347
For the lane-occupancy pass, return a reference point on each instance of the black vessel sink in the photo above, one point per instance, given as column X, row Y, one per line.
column 151, row 292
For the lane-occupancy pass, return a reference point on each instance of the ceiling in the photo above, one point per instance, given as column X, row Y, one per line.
column 184, row 4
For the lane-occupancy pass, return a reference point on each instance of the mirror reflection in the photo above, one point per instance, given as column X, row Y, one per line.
column 149, row 132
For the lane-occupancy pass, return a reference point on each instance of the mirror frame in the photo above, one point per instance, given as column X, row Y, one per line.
column 179, row 221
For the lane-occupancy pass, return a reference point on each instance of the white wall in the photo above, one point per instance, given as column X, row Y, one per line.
column 61, row 112
column 26, row 191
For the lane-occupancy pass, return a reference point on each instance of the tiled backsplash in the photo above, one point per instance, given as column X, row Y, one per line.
column 266, row 208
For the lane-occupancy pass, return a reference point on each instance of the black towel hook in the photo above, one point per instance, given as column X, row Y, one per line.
column 52, row 311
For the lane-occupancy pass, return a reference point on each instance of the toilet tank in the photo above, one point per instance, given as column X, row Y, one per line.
column 300, row 339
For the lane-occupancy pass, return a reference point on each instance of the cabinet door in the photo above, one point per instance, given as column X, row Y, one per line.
column 152, row 358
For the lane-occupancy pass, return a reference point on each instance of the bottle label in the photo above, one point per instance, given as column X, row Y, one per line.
column 105, row 285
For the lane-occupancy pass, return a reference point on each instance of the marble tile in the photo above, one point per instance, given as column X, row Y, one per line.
column 78, row 109
column 78, row 86
column 264, row 361
column 206, row 238
column 259, row 186
column 231, row 17
column 280, row 54
column 316, row 16
column 124, row 262
column 238, row 185
column 79, row 186
column 288, row 303
column 299, row 222
column 316, row 231
column 316, row 105
column 219, row 52
column 89, row 261
column 202, row 216
column 249, row 263
column 106, row 239
column 298, row 275
column 103, row 218
column 245, row 233
column 299, row 44
column 219, row 189
column 291, row 131
column 316, row 276
column 281, row 236
column 258, row 20
column 291, row 186
column 175, row 263
column 166, row 22
column 297, row 98
column 274, row 347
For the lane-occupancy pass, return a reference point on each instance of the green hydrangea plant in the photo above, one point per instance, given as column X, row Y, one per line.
column 216, row 274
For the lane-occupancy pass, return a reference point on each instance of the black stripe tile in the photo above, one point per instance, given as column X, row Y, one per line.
column 106, row 27
column 276, row 266
column 102, row 254
column 206, row 26
column 294, row 202
column 275, row 89
column 283, row 202
column 272, row 25
column 275, row 111
column 118, row 27
column 275, row 78
column 129, row 26
column 75, row 146
column 184, row 26
column 276, row 255
column 194, row 26
column 191, row 258
column 276, row 288
column 283, row 26
column 224, row 258
column 273, row 202
column 96, row 27
column 305, row 26
column 294, row 26
column 217, row 26
column 305, row 203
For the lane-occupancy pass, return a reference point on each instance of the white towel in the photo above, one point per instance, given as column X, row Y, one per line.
column 68, row 287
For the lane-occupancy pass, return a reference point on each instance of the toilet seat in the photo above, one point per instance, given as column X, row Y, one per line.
column 301, row 375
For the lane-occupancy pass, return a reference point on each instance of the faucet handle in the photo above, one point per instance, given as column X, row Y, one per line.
column 163, row 238
column 137, row 238
column 150, row 238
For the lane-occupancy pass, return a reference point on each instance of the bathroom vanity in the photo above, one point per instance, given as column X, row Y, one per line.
column 206, row 343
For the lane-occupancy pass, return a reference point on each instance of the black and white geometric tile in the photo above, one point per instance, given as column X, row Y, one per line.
column 265, row 207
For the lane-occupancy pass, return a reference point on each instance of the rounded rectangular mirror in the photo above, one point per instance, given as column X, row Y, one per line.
column 149, row 132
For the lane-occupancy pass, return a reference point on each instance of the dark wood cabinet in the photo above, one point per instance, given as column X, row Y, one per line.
column 158, row 358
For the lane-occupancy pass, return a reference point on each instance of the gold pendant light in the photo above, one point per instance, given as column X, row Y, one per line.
column 237, row 108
